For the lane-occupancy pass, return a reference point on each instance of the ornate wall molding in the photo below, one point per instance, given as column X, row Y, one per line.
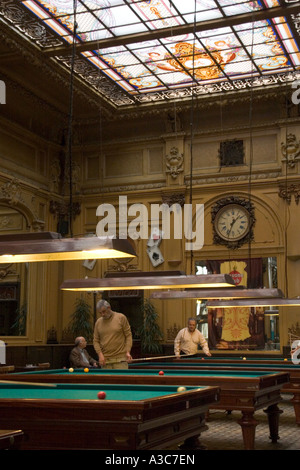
column 286, row 193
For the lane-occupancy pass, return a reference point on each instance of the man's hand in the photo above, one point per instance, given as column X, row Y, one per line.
column 128, row 357
column 102, row 361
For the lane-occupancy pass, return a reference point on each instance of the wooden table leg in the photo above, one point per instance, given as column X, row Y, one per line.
column 273, row 413
column 248, row 424
column 296, row 403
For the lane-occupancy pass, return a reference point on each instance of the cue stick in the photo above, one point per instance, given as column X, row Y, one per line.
column 27, row 383
column 159, row 357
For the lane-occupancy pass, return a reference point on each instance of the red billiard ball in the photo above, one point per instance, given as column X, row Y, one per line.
column 202, row 358
column 101, row 395
column 161, row 372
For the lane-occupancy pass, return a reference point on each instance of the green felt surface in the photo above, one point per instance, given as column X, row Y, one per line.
column 176, row 371
column 87, row 392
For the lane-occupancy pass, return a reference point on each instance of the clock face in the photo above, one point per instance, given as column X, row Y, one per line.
column 232, row 222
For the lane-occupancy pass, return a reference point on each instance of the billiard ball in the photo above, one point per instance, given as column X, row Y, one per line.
column 244, row 358
column 181, row 389
column 101, row 395
column 71, row 369
column 161, row 372
column 202, row 358
column 285, row 359
column 86, row 370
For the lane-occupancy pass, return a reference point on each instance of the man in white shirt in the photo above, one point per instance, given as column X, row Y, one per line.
column 188, row 339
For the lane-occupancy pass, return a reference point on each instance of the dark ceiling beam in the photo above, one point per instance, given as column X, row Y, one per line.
column 176, row 30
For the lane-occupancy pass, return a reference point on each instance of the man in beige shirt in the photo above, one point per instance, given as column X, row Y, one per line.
column 188, row 339
column 112, row 338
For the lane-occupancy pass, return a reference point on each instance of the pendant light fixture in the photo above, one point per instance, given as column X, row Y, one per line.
column 253, row 303
column 217, row 294
column 148, row 282
column 50, row 246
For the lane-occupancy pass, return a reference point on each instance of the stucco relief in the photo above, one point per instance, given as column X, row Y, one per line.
column 174, row 163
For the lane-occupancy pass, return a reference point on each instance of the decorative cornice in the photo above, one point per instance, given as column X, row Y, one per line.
column 243, row 178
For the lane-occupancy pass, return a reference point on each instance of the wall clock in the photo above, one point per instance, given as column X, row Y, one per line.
column 233, row 220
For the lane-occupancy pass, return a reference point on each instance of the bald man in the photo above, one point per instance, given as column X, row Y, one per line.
column 79, row 357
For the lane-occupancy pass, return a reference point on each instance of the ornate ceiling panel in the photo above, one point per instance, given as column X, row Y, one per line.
column 134, row 52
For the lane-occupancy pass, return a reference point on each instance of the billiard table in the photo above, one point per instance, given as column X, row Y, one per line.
column 244, row 391
column 229, row 359
column 131, row 417
column 292, row 387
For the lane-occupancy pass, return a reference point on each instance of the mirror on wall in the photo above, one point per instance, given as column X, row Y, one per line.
column 13, row 279
column 251, row 328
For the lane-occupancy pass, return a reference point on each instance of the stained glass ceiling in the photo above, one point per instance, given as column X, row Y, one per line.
column 144, row 51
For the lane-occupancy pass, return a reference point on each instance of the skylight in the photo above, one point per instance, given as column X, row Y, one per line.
column 147, row 49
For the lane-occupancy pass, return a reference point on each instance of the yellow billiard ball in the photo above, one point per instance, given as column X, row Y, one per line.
column 181, row 389
column 71, row 369
column 244, row 358
column 285, row 359
column 86, row 370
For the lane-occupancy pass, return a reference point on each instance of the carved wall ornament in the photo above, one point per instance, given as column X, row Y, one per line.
column 286, row 192
column 290, row 150
column 171, row 199
column 5, row 271
column 62, row 209
column 55, row 174
column 174, row 162
column 11, row 192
